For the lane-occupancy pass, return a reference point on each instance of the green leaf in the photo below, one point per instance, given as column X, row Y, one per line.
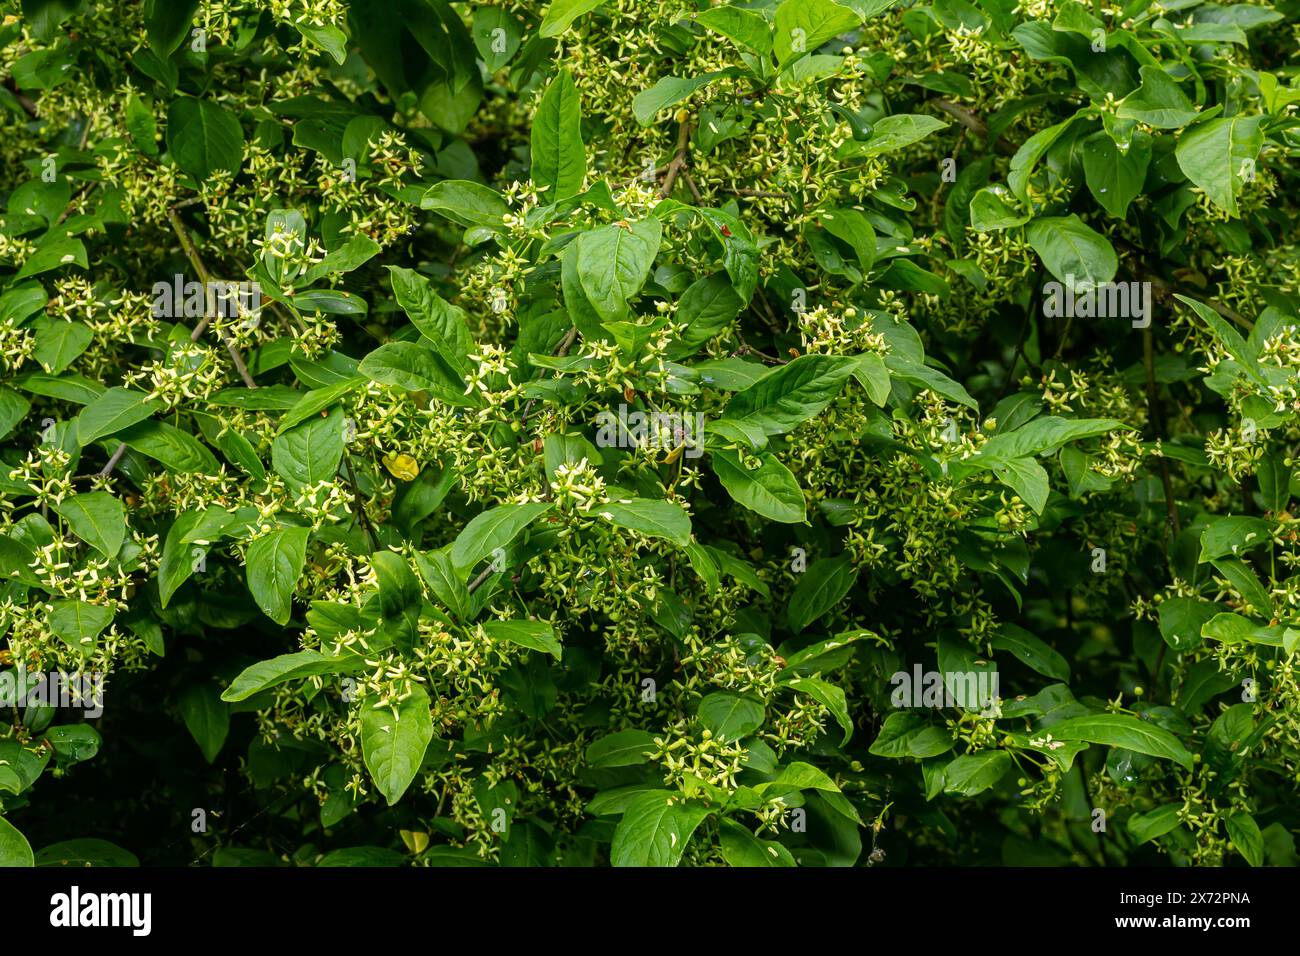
column 827, row 694
column 167, row 23
column 1029, row 154
column 820, row 589
column 496, row 36
column 177, row 450
column 769, row 490
column 1219, row 156
column 707, row 307
column 1115, row 178
column 13, row 409
column 790, row 394
column 1027, row 478
column 651, row 517
column 1233, row 535
column 393, row 746
column 905, row 734
column 97, row 518
column 311, row 452
column 855, row 229
column 627, row 748
column 534, row 635
column 112, row 411
column 442, row 324
column 922, row 376
column 748, row 30
column 655, row 829
column 206, row 717
column 1031, row 651
column 990, row 210
column 362, row 856
column 274, row 564
column 559, row 160
column 14, row 848
column 970, row 774
column 400, row 599
column 873, row 375
column 58, row 343
column 804, row 25
column 78, row 623
column 317, row 401
column 203, row 137
column 468, row 203
column 1077, row 255
column 1158, row 102
column 179, row 557
column 492, row 529
column 668, row 91
column 140, row 123
column 1181, row 621
column 730, row 717
column 414, row 368
column 892, row 133
column 561, row 13
column 1244, row 833
column 1227, row 336
column 448, row 586
column 1120, row 730
column 1144, row 827
column 740, row 848
column 267, row 674
column 1042, row 436
column 327, row 37
column 88, row 851
column 613, row 262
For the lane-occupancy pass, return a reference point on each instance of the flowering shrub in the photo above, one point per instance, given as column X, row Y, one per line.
column 648, row 432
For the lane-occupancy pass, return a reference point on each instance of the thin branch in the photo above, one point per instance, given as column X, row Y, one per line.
column 566, row 343
column 679, row 158
column 972, row 123
column 482, row 576
column 23, row 99
column 690, row 184
column 362, row 517
column 112, row 462
column 1155, row 425
column 192, row 253
column 1163, row 288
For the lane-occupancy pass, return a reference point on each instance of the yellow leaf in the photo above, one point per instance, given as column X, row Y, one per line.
column 416, row 842
column 403, row 467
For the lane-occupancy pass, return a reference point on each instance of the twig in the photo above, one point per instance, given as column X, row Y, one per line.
column 972, row 123
column 192, row 253
column 112, row 462
column 1020, row 350
column 276, row 308
column 679, row 158
column 566, row 343
column 690, row 183
column 361, row 507
column 482, row 576
column 1155, row 426
column 1087, row 793
column 23, row 99
column 746, row 348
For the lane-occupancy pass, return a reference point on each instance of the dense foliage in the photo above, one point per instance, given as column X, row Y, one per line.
column 648, row 432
